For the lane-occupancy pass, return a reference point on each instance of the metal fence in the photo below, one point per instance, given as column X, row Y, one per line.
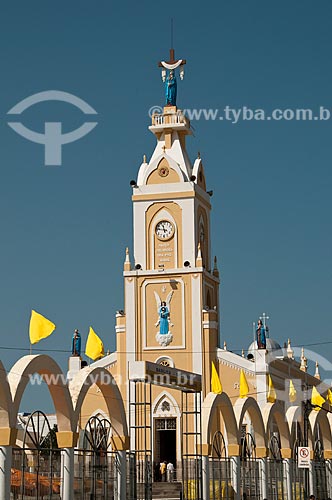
column 95, row 475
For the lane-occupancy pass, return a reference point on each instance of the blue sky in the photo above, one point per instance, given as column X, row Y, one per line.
column 63, row 235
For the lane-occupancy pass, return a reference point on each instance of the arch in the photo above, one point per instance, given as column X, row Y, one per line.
column 293, row 415
column 319, row 418
column 250, row 405
column 212, row 404
column 165, row 395
column 162, row 360
column 103, row 379
column 276, row 411
column 7, row 415
column 22, row 373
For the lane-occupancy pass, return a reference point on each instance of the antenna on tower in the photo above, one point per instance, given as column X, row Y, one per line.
column 172, row 32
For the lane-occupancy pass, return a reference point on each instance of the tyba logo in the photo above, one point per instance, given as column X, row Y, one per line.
column 53, row 139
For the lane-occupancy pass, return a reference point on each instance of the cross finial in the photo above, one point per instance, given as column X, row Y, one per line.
column 264, row 317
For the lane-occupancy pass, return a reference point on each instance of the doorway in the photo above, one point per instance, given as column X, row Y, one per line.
column 165, row 440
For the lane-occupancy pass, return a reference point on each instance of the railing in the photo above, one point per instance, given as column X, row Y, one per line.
column 170, row 119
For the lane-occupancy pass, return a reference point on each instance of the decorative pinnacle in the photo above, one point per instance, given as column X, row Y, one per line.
column 127, row 265
column 215, row 271
column 144, row 158
column 317, row 374
column 225, row 345
column 304, row 364
column 198, row 155
column 290, row 352
column 242, row 353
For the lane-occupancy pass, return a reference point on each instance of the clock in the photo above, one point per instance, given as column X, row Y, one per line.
column 164, row 230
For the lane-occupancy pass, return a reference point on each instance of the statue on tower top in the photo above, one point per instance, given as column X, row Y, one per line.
column 169, row 78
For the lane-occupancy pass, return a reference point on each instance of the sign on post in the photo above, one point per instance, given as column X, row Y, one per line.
column 303, row 457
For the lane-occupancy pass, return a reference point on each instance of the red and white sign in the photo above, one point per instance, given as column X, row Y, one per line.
column 303, row 457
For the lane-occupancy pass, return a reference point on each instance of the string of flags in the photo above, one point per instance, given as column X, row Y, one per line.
column 41, row 328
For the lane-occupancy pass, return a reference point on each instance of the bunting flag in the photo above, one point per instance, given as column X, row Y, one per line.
column 292, row 392
column 216, row 386
column 329, row 397
column 40, row 327
column 244, row 387
column 94, row 348
column 271, row 394
column 316, row 399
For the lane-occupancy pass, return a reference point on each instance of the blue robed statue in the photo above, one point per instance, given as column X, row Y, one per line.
column 163, row 319
column 261, row 335
column 76, row 344
column 170, row 89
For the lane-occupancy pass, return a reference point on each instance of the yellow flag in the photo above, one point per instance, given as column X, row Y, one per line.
column 244, row 387
column 271, row 394
column 40, row 327
column 216, row 386
column 316, row 399
column 292, row 392
column 329, row 397
column 94, row 348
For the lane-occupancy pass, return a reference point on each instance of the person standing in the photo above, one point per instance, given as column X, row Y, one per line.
column 170, row 472
column 163, row 468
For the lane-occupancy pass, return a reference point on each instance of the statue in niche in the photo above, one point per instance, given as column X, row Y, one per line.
column 164, row 337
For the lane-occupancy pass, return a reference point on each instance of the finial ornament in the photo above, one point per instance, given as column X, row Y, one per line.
column 144, row 158
column 225, row 345
column 304, row 364
column 242, row 353
column 127, row 264
column 290, row 352
column 199, row 155
column 168, row 76
column 317, row 374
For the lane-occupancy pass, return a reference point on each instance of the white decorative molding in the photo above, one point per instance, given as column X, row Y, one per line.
column 164, row 339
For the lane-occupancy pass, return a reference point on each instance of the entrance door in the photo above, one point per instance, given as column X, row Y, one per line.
column 165, row 440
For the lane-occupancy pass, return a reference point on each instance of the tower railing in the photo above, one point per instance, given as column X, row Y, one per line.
column 175, row 118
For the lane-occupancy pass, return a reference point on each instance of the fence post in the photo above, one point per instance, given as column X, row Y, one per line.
column 264, row 478
column 67, row 473
column 205, row 477
column 311, row 479
column 122, row 475
column 236, row 465
column 5, row 471
column 289, row 477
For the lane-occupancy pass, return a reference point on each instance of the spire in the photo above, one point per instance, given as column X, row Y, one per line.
column 127, row 264
column 317, row 374
column 242, row 354
column 225, row 345
column 304, row 364
column 290, row 352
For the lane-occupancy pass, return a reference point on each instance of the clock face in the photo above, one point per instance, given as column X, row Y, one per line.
column 164, row 230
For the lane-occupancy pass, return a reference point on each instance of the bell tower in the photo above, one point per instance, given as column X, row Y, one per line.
column 172, row 287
